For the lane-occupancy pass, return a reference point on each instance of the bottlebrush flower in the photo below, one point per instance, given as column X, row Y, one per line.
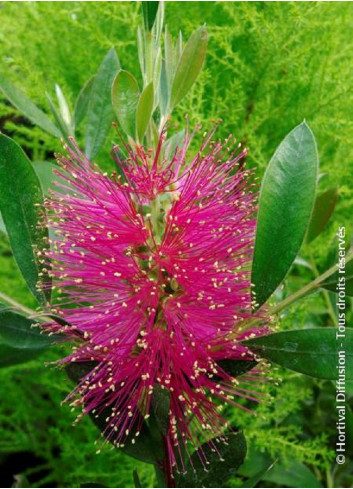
column 152, row 277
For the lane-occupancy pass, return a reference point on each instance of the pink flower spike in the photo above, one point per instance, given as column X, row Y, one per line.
column 152, row 275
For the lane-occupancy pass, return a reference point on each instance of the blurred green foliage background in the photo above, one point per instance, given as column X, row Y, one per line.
column 269, row 65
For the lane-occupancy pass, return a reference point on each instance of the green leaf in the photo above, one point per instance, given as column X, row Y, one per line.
column 189, row 65
column 285, row 205
column 313, row 352
column 145, row 447
column 12, row 356
column 44, row 171
column 20, row 332
column 99, row 111
column 149, row 10
column 237, row 367
column 19, row 340
column 125, row 97
column 28, row 108
column 65, row 111
column 332, row 281
column 160, row 403
column 218, row 472
column 324, row 206
column 163, row 89
column 173, row 143
column 2, row 225
column 82, row 101
column 135, row 475
column 21, row 202
column 144, row 110
column 255, row 479
column 47, row 177
column 293, row 474
column 64, row 130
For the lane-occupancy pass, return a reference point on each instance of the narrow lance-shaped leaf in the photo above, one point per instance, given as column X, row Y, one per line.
column 13, row 356
column 2, row 225
column 149, row 10
column 218, row 473
column 19, row 340
column 64, row 129
column 65, row 111
column 285, row 205
column 293, row 474
column 44, row 171
column 135, row 475
column 20, row 205
column 125, row 97
column 189, row 65
column 82, row 101
column 28, row 108
column 324, row 206
column 21, row 332
column 313, row 352
column 144, row 110
column 255, row 479
column 99, row 111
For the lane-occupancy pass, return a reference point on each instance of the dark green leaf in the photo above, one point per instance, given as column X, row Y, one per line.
column 145, row 447
column 28, row 108
column 324, row 206
column 331, row 282
column 144, row 110
column 149, row 10
column 313, row 352
column 125, row 97
column 135, row 475
column 12, row 356
column 160, row 403
column 286, row 201
column 237, row 367
column 19, row 332
column 99, row 111
column 218, row 472
column 189, row 65
column 20, row 205
column 293, row 474
column 64, row 130
column 82, row 101
column 255, row 479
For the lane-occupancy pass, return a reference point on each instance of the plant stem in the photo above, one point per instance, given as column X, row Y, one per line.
column 31, row 313
column 324, row 293
column 16, row 305
column 307, row 288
